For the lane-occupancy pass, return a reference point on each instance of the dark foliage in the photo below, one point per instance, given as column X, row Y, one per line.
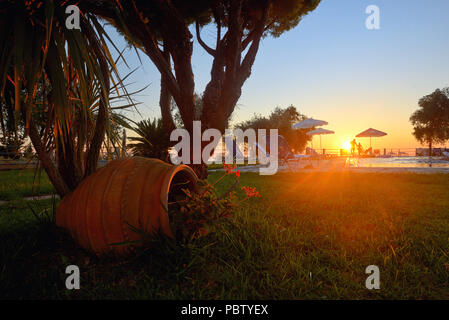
column 281, row 119
column 153, row 141
column 431, row 120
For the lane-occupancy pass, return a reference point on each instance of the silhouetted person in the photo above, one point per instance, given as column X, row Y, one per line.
column 353, row 145
column 360, row 149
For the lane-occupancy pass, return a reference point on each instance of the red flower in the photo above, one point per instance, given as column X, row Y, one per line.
column 237, row 174
column 229, row 168
column 251, row 192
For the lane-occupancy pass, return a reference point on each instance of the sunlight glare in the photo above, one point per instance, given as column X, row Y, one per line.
column 346, row 145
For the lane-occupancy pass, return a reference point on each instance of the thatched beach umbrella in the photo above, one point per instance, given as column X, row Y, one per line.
column 371, row 133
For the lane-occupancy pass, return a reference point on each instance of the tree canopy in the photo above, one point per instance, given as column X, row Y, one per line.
column 159, row 27
column 281, row 119
column 431, row 120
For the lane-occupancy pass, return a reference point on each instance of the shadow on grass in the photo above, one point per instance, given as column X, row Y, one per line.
column 34, row 258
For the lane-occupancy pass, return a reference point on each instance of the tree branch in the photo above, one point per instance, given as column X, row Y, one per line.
column 165, row 100
column 248, row 39
column 250, row 57
column 201, row 42
column 177, row 38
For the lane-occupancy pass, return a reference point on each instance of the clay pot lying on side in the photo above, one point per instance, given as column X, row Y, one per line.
column 131, row 191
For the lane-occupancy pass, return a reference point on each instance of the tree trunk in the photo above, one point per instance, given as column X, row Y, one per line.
column 50, row 168
column 165, row 100
column 68, row 166
column 229, row 71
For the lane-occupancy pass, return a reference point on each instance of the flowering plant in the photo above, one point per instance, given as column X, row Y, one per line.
column 251, row 192
column 194, row 213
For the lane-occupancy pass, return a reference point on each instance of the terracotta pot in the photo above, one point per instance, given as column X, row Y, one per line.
column 132, row 191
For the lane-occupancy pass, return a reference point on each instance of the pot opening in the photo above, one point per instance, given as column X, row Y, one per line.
column 182, row 180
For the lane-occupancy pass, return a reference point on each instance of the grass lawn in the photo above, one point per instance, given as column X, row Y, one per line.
column 16, row 184
column 310, row 236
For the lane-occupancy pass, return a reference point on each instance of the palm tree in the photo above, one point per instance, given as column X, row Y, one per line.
column 58, row 77
column 153, row 141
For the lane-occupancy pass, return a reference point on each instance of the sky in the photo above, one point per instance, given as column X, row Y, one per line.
column 331, row 67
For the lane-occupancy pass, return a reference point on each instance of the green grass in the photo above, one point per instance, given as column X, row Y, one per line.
column 215, row 166
column 16, row 184
column 310, row 236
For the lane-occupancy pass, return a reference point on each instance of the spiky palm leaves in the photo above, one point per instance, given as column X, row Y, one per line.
column 59, row 78
column 153, row 141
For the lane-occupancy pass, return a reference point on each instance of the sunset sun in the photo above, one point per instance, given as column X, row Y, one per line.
column 346, row 145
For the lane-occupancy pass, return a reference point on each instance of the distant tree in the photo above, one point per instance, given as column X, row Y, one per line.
column 177, row 116
column 281, row 119
column 28, row 152
column 12, row 133
column 152, row 141
column 115, row 135
column 10, row 147
column 431, row 121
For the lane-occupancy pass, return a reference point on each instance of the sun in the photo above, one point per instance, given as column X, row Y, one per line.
column 346, row 145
